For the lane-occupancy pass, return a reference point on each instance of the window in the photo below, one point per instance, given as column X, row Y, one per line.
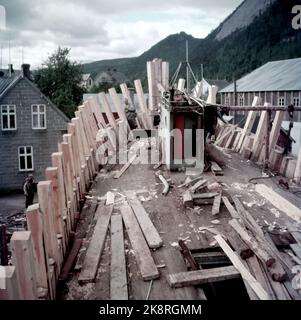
column 241, row 101
column 296, row 102
column 227, row 101
column 38, row 112
column 25, row 159
column 8, row 117
column 281, row 102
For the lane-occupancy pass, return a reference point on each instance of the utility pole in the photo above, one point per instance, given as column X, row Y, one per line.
column 187, row 67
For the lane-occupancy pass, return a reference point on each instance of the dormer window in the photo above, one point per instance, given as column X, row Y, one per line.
column 8, row 117
column 38, row 113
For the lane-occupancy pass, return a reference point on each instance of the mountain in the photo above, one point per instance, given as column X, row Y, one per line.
column 258, row 31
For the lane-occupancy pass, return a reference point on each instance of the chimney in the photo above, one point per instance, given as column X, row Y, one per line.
column 10, row 70
column 26, row 70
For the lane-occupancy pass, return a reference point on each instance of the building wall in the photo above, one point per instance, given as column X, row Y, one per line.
column 44, row 142
column 271, row 97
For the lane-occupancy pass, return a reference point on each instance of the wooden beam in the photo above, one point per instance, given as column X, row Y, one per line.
column 105, row 104
column 249, row 123
column 199, row 277
column 279, row 116
column 35, row 226
column 216, row 204
column 187, row 199
column 246, row 275
column 297, row 175
column 9, row 288
column 94, row 252
column 125, row 167
column 279, row 202
column 145, row 261
column 260, row 252
column 23, row 259
column 50, row 235
column 260, row 134
column 197, row 186
column 230, row 208
column 118, row 280
column 150, row 232
column 118, row 106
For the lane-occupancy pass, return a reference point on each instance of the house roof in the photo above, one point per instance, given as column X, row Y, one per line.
column 112, row 76
column 221, row 84
column 7, row 83
column 86, row 76
column 283, row 75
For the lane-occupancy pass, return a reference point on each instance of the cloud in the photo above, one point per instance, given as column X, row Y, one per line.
column 98, row 30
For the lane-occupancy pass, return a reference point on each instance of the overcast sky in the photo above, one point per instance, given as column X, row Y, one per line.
column 97, row 29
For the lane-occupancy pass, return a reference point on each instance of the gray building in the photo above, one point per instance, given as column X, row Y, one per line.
column 276, row 82
column 31, row 127
column 111, row 77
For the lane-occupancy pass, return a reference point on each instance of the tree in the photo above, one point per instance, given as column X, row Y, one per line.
column 60, row 80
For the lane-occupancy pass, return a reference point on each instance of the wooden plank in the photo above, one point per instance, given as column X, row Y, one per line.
column 150, row 232
column 261, row 253
column 197, row 186
column 9, row 288
column 93, row 255
column 125, row 167
column 105, row 103
column 70, row 260
column 35, row 226
column 230, row 208
column 274, row 135
column 143, row 256
column 297, row 249
column 206, row 195
column 216, row 204
column 118, row 282
column 110, row 198
column 198, row 277
column 50, row 235
column 297, row 175
column 249, row 123
column 142, row 103
column 240, row 246
column 187, row 199
column 23, row 259
column 279, row 202
column 118, row 106
column 260, row 134
column 245, row 273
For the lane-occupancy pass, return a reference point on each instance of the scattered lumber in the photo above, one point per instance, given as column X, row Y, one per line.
column 246, row 275
column 189, row 182
column 206, row 195
column 118, row 281
column 240, row 246
column 187, row 199
column 198, row 277
column 279, row 202
column 145, row 261
column 216, row 204
column 187, row 255
column 230, row 208
column 296, row 249
column 150, row 232
column 93, row 255
column 125, row 167
column 197, row 186
column 256, row 247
